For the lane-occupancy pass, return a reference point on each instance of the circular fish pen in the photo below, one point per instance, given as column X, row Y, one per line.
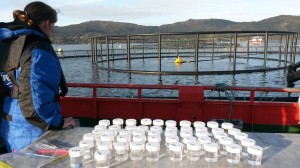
column 191, row 53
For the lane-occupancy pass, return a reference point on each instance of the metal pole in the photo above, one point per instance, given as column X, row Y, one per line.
column 92, row 48
column 112, row 50
column 107, row 49
column 196, row 53
column 295, row 47
column 213, row 48
column 266, row 49
column 143, row 49
column 177, row 53
column 101, row 50
column 128, row 53
column 230, row 45
column 96, row 53
column 291, row 50
column 234, row 56
column 248, row 47
column 280, row 43
column 159, row 52
column 286, row 49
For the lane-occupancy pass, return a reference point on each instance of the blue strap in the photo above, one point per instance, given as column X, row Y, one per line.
column 7, row 34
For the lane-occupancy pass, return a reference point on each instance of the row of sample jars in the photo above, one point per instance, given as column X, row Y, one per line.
column 119, row 142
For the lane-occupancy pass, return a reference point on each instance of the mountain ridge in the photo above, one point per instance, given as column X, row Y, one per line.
column 82, row 32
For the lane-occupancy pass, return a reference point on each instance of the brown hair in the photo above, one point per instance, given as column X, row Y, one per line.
column 36, row 12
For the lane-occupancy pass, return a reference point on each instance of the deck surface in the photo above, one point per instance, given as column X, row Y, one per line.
column 280, row 151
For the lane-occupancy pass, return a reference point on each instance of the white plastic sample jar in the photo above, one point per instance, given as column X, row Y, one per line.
column 154, row 138
column 104, row 123
column 170, row 123
column 233, row 153
column 255, row 155
column 203, row 140
column 226, row 126
column 193, row 150
column 175, row 151
column 199, row 124
column 76, row 157
column 245, row 144
column 102, row 158
column 105, row 146
column 143, row 128
column 171, row 139
column 211, row 152
column 139, row 138
column 233, row 131
column 131, row 122
column 152, row 149
column 136, row 150
column 146, row 121
column 185, row 123
column 156, row 128
column 118, row 121
column 224, row 141
column 201, row 133
column 170, row 132
column 218, row 135
column 211, row 125
column 88, row 146
column 121, row 151
column 239, row 136
column 158, row 122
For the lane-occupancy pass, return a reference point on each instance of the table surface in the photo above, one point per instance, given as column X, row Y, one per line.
column 281, row 150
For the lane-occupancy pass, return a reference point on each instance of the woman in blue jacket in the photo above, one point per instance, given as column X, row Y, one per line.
column 39, row 76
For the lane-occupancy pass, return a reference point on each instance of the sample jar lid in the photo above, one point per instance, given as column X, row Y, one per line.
column 146, row 121
column 170, row 132
column 199, row 124
column 114, row 127
column 233, row 131
column 211, row 147
column 153, row 146
column 122, row 138
column 97, row 132
column 201, row 133
column 215, row 130
column 233, row 148
column 120, row 146
column 185, row 123
column 118, row 121
column 101, row 155
column 154, row 132
column 225, row 140
column 88, row 136
column 131, row 122
column 226, row 125
column 188, row 139
column 172, row 138
column 204, row 139
column 104, row 145
column 171, row 128
column 185, row 133
column 140, row 138
column 107, row 137
column 136, row 145
column 86, row 143
column 186, row 128
column 125, row 132
column 176, row 146
column 247, row 142
column 138, row 132
column 193, row 145
column 100, row 127
column 104, row 123
column 240, row 136
column 154, row 138
column 76, row 151
column 156, row 128
column 200, row 128
column 212, row 124
column 144, row 128
column 218, row 135
column 171, row 123
column 130, row 127
column 158, row 122
column 255, row 150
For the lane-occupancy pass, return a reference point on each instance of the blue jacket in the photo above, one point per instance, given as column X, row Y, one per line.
column 38, row 78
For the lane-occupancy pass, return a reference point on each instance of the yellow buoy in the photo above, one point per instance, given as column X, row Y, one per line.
column 59, row 49
column 178, row 60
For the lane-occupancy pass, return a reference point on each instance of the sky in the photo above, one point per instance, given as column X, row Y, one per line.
column 157, row 12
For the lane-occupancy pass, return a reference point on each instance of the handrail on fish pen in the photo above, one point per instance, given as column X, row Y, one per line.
column 161, row 45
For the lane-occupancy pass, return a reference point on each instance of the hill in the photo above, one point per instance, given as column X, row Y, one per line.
column 81, row 33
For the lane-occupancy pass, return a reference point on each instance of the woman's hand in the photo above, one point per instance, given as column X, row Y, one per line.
column 69, row 123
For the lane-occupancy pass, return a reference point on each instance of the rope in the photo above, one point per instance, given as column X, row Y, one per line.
column 221, row 87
